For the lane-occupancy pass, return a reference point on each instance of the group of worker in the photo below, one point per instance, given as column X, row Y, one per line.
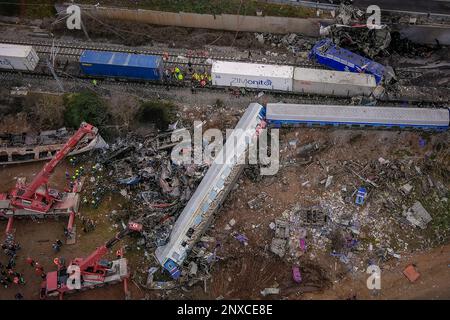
column 88, row 224
column 198, row 79
column 75, row 178
column 38, row 269
column 97, row 194
column 8, row 276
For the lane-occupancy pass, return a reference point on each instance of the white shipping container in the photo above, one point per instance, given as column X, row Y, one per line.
column 17, row 57
column 251, row 75
column 336, row 83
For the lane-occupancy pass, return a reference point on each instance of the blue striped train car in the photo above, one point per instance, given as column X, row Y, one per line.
column 279, row 115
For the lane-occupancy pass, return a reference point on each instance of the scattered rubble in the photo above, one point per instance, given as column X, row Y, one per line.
column 418, row 216
column 291, row 42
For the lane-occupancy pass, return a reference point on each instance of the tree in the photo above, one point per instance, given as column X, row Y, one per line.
column 85, row 106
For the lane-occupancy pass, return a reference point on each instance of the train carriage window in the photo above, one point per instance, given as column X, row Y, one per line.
column 190, row 232
column 43, row 154
column 22, row 157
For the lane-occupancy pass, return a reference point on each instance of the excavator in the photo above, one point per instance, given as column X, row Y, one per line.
column 36, row 198
column 91, row 272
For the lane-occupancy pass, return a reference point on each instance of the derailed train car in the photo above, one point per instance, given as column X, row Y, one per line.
column 211, row 192
column 326, row 53
column 17, row 57
column 279, row 115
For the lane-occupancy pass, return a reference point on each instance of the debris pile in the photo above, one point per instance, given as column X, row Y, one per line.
column 291, row 42
column 369, row 41
column 141, row 170
column 367, row 212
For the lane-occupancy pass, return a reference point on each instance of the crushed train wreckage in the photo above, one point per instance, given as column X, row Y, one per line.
column 28, row 147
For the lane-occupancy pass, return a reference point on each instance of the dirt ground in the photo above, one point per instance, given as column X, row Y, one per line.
column 245, row 270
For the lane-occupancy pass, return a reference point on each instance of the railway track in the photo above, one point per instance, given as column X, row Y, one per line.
column 9, row 75
column 72, row 52
column 182, row 58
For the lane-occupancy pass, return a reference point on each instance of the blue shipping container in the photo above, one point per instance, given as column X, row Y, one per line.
column 121, row 65
column 328, row 54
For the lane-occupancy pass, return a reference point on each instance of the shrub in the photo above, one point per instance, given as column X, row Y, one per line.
column 157, row 112
column 85, row 106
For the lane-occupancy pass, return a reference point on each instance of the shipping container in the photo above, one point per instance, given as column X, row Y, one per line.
column 333, row 83
column 251, row 75
column 121, row 65
column 15, row 57
column 328, row 54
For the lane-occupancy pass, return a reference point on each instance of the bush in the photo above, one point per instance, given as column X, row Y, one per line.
column 85, row 106
column 10, row 8
column 45, row 111
column 157, row 112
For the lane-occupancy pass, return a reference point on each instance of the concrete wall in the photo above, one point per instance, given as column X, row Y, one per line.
column 309, row 27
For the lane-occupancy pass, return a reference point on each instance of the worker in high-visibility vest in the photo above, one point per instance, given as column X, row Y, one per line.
column 180, row 77
column 94, row 82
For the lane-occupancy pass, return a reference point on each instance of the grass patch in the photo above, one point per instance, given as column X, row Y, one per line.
column 29, row 9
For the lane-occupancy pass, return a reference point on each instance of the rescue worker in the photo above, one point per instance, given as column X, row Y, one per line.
column 94, row 82
column 30, row 261
column 175, row 72
column 180, row 77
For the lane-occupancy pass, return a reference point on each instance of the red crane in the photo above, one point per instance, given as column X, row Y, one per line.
column 36, row 197
column 93, row 271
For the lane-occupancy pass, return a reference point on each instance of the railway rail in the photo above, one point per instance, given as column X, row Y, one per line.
column 11, row 76
column 74, row 51
column 68, row 49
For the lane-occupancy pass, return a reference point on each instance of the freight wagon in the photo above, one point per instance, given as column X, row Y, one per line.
column 333, row 83
column 278, row 114
column 16, row 57
column 328, row 54
column 252, row 75
column 121, row 65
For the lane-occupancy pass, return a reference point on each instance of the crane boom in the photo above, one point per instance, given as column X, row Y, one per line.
column 43, row 176
column 95, row 256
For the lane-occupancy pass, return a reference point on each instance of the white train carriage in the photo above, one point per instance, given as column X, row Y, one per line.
column 17, row 57
column 333, row 83
column 212, row 190
column 278, row 114
column 252, row 75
